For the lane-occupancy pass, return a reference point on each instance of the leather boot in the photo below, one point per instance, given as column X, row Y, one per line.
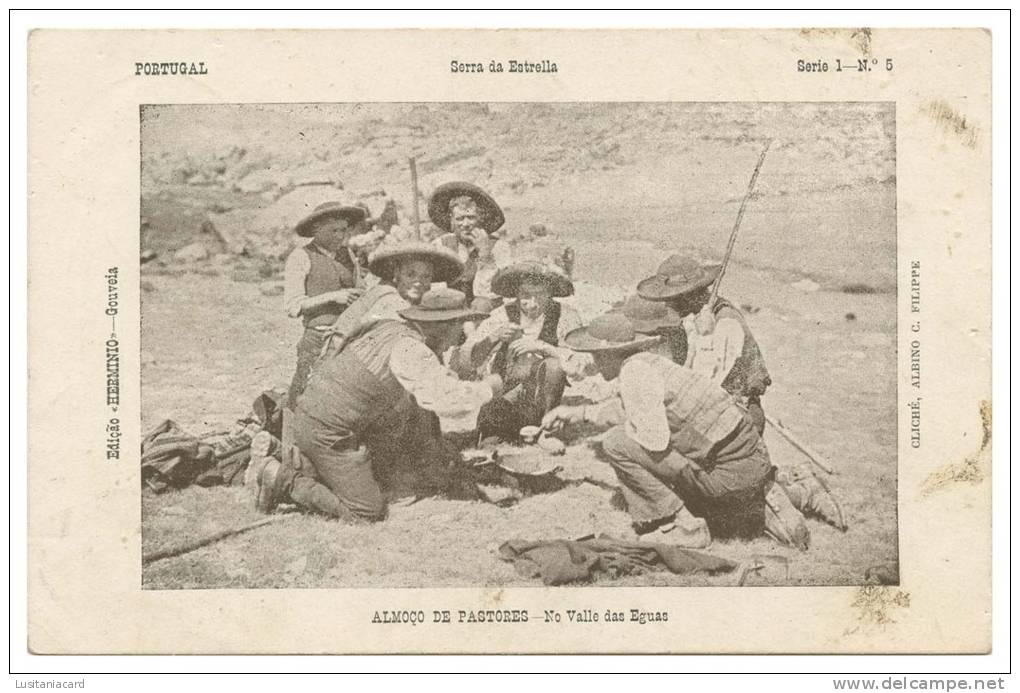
column 811, row 495
column 783, row 522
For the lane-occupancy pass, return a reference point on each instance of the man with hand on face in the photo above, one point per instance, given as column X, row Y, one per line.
column 472, row 220
column 521, row 341
column 385, row 395
column 320, row 280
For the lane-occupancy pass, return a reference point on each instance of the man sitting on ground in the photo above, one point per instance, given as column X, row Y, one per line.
column 521, row 341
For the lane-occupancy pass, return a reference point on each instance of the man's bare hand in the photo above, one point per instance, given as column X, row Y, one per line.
column 507, row 333
column 528, row 345
column 704, row 321
column 556, row 417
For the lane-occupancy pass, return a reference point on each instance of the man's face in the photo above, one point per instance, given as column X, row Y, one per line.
column 412, row 279
column 690, row 304
column 534, row 298
column 440, row 336
column 332, row 234
column 463, row 221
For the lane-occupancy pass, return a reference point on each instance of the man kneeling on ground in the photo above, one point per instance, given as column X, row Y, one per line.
column 385, row 394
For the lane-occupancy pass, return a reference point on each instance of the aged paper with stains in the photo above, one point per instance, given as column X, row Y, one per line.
column 169, row 169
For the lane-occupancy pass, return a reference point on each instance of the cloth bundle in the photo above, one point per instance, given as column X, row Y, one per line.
column 562, row 561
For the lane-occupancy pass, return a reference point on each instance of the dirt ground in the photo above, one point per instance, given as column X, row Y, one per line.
column 214, row 332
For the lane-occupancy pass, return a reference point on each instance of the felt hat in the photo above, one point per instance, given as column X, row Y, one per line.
column 352, row 213
column 649, row 317
column 677, row 275
column 610, row 332
column 441, row 305
column 508, row 279
column 491, row 216
column 446, row 265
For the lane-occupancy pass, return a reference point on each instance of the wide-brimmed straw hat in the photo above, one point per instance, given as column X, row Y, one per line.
column 491, row 216
column 677, row 275
column 508, row 280
column 446, row 265
column 650, row 317
column 610, row 332
column 442, row 305
column 352, row 213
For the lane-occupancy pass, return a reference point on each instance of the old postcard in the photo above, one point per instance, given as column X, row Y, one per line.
column 510, row 341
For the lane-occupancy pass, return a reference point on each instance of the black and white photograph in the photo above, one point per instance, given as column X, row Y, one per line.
column 479, row 344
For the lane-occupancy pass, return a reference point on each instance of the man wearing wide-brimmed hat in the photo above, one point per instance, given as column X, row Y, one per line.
column 729, row 356
column 471, row 219
column 406, row 272
column 320, row 279
column 680, row 446
column 385, row 395
column 719, row 342
column 522, row 341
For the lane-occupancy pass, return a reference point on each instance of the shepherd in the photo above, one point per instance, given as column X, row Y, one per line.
column 320, row 280
column 522, row 339
column 406, row 272
column 691, row 462
column 472, row 220
column 386, row 394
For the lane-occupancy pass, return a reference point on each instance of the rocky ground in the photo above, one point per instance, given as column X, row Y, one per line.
column 622, row 184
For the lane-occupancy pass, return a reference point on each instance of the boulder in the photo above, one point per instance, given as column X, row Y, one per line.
column 193, row 252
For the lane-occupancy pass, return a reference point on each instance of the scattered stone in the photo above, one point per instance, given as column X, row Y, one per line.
column 246, row 274
column 147, row 286
column 271, row 289
column 193, row 252
column 229, row 228
column 749, row 309
column 806, row 285
column 148, row 255
column 538, row 230
column 858, row 288
column 885, row 574
column 850, row 317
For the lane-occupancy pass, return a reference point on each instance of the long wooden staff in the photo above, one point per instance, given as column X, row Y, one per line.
column 414, row 197
column 194, row 544
column 736, row 225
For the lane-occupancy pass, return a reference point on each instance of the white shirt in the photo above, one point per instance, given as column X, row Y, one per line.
column 435, row 387
column 573, row 362
column 713, row 355
column 502, row 255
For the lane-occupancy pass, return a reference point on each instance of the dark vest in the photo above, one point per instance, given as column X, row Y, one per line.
column 548, row 333
column 749, row 377
column 352, row 389
column 327, row 273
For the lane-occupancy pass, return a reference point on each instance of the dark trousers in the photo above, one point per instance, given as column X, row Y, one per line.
column 334, row 472
column 730, row 495
column 308, row 350
column 534, row 385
